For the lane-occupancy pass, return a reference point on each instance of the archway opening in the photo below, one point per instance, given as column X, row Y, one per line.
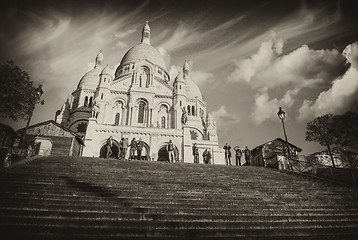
column 144, row 154
column 103, row 151
column 163, row 154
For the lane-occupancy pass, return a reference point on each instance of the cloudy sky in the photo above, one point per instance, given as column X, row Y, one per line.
column 248, row 57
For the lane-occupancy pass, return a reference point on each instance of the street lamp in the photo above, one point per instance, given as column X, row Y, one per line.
column 281, row 115
column 39, row 93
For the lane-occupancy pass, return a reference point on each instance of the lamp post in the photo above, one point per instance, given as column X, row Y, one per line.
column 281, row 115
column 39, row 93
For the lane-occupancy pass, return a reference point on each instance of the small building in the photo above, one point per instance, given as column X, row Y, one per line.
column 343, row 157
column 64, row 141
column 266, row 155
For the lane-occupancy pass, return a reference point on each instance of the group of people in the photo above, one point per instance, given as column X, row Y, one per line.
column 206, row 154
column 238, row 154
column 135, row 147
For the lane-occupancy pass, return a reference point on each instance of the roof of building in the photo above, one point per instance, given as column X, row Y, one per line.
column 78, row 137
column 106, row 70
column 90, row 79
column 192, row 90
column 144, row 51
column 279, row 139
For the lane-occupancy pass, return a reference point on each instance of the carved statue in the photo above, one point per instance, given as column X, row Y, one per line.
column 184, row 116
column 95, row 110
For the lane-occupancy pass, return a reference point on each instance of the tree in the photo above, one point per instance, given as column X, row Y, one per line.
column 323, row 130
column 17, row 95
column 347, row 131
column 346, row 128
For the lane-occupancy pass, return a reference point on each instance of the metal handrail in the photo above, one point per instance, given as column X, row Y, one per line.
column 310, row 166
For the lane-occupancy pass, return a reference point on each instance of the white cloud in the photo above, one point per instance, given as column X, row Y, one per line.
column 201, row 77
column 303, row 67
column 223, row 117
column 341, row 97
column 225, row 121
column 351, row 53
column 266, row 108
column 269, row 69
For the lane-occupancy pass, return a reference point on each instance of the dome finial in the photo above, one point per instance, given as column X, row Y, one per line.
column 99, row 59
column 146, row 33
column 186, row 69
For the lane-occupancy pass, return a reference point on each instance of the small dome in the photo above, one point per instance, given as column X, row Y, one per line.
column 144, row 51
column 90, row 79
column 179, row 77
column 106, row 70
column 192, row 90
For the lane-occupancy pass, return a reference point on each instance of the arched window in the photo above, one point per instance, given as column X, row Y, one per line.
column 86, row 101
column 91, row 101
column 82, row 127
column 193, row 111
column 180, row 102
column 189, row 110
column 163, row 122
column 141, row 108
column 102, row 96
column 117, row 118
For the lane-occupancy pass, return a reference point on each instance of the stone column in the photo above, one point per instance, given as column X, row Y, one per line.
column 130, row 116
column 151, row 117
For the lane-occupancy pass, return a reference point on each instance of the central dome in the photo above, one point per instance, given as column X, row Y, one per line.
column 144, row 51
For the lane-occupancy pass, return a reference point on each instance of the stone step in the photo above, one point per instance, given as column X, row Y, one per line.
column 111, row 208
column 144, row 203
column 161, row 198
column 66, row 197
column 206, row 216
column 148, row 229
column 145, row 224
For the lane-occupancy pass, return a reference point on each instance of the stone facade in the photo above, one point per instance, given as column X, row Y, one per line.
column 140, row 100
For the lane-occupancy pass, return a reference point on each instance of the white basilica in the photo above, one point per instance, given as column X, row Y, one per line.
column 140, row 101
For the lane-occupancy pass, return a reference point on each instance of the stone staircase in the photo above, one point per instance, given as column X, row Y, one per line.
column 90, row 198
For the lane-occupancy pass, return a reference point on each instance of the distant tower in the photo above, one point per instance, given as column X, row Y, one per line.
column 63, row 115
column 179, row 99
column 103, row 90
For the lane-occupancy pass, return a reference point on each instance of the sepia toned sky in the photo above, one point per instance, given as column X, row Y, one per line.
column 248, row 57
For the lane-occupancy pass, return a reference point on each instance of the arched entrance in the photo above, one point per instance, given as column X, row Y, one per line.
column 144, row 155
column 103, row 151
column 163, row 154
